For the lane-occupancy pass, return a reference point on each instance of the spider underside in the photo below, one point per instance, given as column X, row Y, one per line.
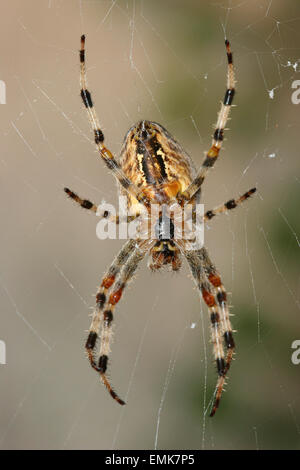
column 154, row 169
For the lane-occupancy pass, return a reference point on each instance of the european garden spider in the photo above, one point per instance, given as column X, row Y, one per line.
column 153, row 168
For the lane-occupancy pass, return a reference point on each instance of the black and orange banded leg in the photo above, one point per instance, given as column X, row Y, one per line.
column 221, row 297
column 229, row 205
column 205, row 288
column 106, row 302
column 99, row 316
column 106, row 332
column 218, row 136
column 86, row 204
column 104, row 152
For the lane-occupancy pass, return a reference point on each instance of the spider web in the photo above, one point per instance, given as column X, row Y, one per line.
column 163, row 61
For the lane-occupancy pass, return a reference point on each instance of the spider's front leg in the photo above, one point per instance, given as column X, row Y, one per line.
column 213, row 293
column 221, row 298
column 109, row 294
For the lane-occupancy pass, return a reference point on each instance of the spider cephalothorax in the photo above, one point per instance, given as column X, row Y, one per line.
column 154, row 169
column 165, row 251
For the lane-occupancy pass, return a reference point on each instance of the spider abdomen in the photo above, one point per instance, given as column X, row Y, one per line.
column 154, row 161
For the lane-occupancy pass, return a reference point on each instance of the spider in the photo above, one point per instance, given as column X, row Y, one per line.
column 153, row 168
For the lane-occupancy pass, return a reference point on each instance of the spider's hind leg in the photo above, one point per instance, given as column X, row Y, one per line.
column 107, row 156
column 218, row 137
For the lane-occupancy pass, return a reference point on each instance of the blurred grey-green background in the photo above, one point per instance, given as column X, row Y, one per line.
column 164, row 61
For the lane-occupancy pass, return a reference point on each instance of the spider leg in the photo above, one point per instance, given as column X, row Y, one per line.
column 194, row 259
column 107, row 282
column 105, row 153
column 86, row 204
column 116, row 279
column 220, row 294
column 218, row 136
column 231, row 204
